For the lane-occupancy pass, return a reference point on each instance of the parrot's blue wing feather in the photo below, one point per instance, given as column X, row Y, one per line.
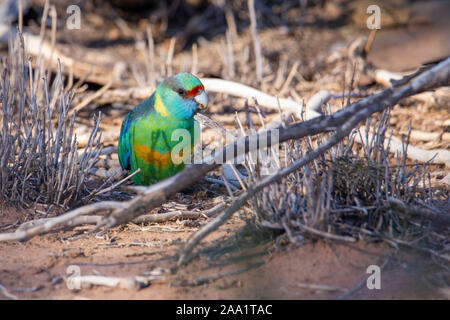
column 124, row 148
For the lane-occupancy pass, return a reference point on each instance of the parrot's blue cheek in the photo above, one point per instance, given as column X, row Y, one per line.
column 188, row 109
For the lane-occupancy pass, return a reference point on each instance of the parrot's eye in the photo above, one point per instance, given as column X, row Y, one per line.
column 181, row 92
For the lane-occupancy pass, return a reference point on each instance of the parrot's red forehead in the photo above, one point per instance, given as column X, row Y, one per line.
column 194, row 91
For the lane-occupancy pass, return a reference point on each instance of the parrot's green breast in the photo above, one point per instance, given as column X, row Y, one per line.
column 146, row 142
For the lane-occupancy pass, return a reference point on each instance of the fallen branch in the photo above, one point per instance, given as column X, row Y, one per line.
column 324, row 234
column 322, row 287
column 429, row 136
column 81, row 220
column 385, row 77
column 310, row 230
column 39, row 48
column 414, row 153
column 162, row 217
column 91, row 98
column 441, row 221
column 217, row 86
column 69, row 223
column 130, row 283
column 6, row 293
column 37, row 227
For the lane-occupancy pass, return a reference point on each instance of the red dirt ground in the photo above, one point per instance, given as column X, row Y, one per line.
column 36, row 265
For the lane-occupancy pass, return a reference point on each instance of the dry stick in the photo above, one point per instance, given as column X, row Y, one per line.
column 146, row 62
column 194, row 66
column 49, row 225
column 170, row 57
column 39, row 61
column 159, row 217
column 130, row 283
column 323, row 96
column 210, row 123
column 117, row 183
column 91, row 98
column 123, row 95
column 323, row 287
column 318, row 99
column 218, row 86
column 282, row 64
column 289, row 78
column 231, row 23
column 441, row 220
column 163, row 217
column 6, row 293
column 20, row 15
column 48, row 65
column 324, row 234
column 36, row 46
column 414, row 153
column 385, row 77
column 246, row 92
column 443, row 256
column 237, row 175
column 151, row 50
column 255, row 39
column 70, row 223
column 230, row 55
column 369, row 42
column 418, row 135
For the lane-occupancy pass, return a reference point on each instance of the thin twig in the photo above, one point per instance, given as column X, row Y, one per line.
column 323, row 287
column 65, row 218
column 255, row 39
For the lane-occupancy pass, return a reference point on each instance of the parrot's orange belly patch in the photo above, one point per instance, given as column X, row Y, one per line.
column 160, row 160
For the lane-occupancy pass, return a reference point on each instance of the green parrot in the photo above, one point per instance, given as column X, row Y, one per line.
column 149, row 133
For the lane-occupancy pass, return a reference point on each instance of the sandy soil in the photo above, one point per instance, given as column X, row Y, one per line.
column 36, row 269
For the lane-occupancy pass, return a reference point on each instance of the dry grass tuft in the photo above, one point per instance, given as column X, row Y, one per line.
column 38, row 150
column 353, row 192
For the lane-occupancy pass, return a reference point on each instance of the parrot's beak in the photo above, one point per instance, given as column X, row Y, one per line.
column 202, row 99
